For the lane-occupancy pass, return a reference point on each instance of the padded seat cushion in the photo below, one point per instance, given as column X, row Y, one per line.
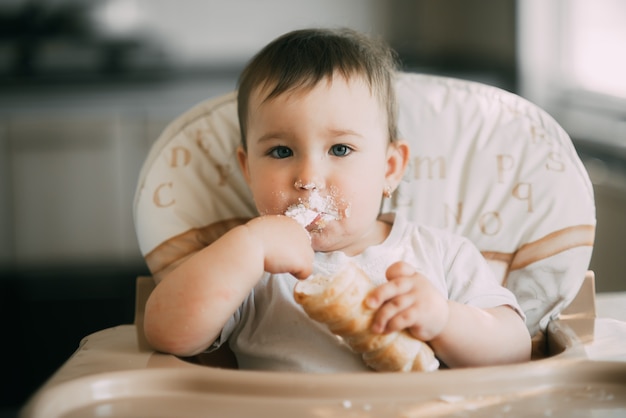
column 485, row 163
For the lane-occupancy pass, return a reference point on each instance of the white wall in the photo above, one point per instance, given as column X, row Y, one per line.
column 210, row 31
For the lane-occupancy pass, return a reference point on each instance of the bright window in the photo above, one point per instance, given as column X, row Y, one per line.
column 572, row 63
column 594, row 41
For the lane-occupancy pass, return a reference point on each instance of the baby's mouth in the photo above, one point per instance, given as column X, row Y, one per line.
column 314, row 213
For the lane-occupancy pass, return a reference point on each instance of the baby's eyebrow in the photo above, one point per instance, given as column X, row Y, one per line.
column 272, row 135
column 344, row 132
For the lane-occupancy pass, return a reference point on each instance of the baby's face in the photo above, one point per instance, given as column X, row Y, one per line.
column 323, row 148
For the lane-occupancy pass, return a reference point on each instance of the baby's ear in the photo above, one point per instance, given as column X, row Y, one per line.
column 242, row 159
column 398, row 154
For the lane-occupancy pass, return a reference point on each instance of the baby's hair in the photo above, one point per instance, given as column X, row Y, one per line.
column 302, row 58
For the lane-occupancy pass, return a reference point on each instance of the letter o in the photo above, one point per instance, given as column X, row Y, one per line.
column 490, row 223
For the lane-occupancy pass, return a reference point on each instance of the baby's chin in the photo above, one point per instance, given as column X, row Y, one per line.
column 326, row 240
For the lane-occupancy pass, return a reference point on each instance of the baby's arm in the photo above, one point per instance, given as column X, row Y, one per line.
column 187, row 310
column 461, row 335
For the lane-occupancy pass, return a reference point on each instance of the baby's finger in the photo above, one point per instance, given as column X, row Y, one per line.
column 399, row 269
column 404, row 319
column 387, row 291
column 390, row 317
column 302, row 273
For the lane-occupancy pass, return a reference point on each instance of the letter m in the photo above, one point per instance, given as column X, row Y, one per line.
column 428, row 168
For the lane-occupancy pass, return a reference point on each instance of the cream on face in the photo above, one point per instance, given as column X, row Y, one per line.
column 314, row 212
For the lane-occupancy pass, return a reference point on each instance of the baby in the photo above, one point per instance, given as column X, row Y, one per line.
column 317, row 115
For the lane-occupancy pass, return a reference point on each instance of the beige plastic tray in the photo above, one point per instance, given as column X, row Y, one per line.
column 113, row 374
column 565, row 389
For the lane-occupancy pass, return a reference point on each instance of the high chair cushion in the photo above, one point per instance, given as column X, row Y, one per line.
column 485, row 163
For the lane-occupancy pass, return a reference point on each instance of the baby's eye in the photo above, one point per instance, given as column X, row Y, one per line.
column 280, row 152
column 340, row 150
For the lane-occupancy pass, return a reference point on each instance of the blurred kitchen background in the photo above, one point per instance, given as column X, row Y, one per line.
column 87, row 85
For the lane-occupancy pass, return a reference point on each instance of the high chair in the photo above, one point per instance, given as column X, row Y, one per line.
column 485, row 164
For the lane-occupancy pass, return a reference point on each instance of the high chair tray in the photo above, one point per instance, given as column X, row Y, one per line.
column 568, row 388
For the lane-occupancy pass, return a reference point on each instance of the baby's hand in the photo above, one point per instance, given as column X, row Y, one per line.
column 285, row 244
column 408, row 301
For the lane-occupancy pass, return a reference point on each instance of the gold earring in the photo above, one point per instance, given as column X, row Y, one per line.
column 387, row 192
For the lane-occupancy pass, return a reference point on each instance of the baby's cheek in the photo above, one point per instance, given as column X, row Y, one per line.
column 346, row 211
column 342, row 202
column 274, row 203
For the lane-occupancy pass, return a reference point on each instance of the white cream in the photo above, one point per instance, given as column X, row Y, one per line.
column 301, row 214
column 316, row 209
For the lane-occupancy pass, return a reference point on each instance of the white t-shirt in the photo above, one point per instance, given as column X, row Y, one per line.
column 270, row 331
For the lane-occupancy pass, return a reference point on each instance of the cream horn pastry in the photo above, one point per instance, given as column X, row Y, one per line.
column 339, row 302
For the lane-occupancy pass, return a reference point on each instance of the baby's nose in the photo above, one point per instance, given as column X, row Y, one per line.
column 302, row 185
column 310, row 175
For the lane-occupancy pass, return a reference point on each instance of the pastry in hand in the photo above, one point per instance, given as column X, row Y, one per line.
column 339, row 302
